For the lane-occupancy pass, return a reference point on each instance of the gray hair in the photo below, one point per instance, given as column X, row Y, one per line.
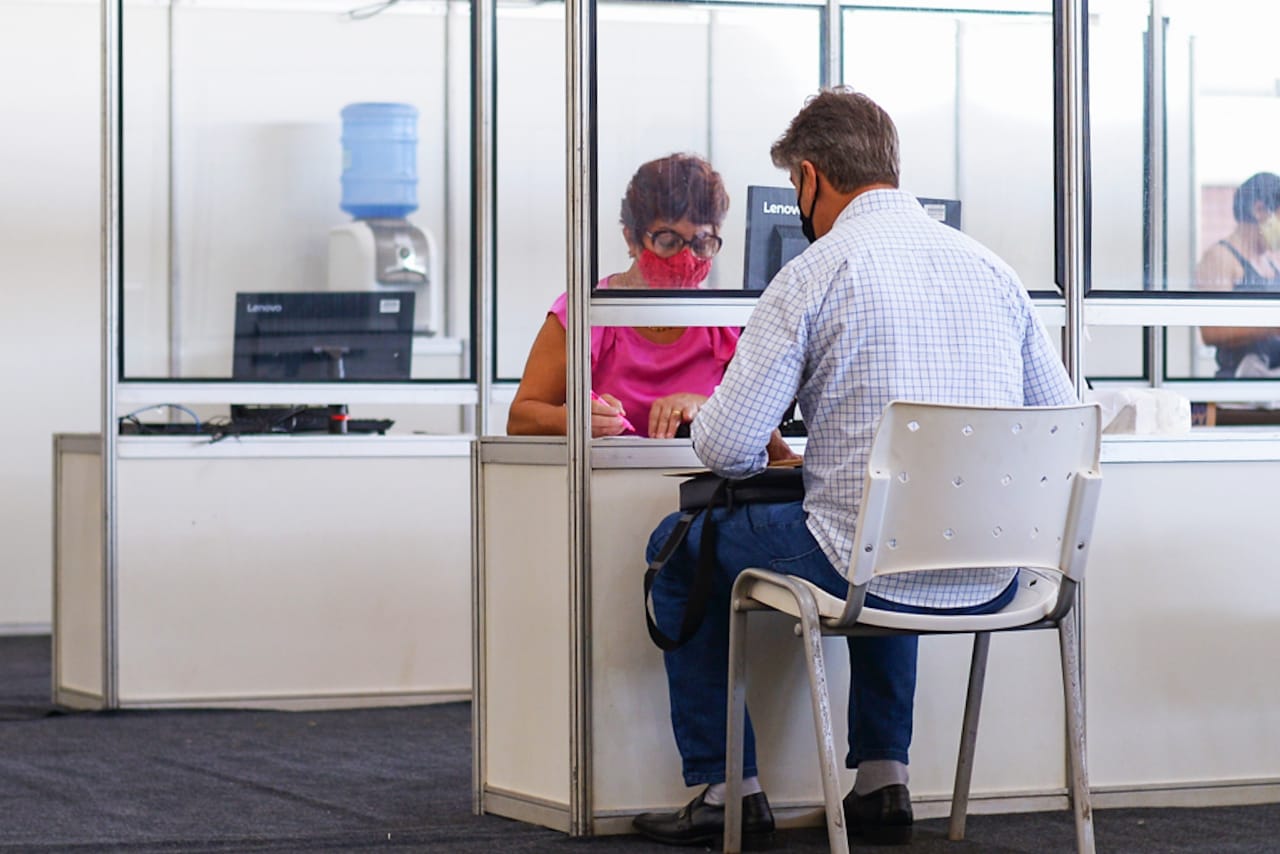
column 846, row 136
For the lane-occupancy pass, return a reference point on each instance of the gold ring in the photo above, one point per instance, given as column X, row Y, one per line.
column 676, row 411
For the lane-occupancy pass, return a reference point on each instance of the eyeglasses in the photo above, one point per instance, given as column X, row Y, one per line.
column 667, row 242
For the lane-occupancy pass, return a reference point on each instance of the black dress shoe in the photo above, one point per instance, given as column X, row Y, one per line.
column 701, row 823
column 882, row 817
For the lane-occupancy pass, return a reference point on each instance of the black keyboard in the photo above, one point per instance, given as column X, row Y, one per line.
column 132, row 427
column 297, row 419
column 310, row 420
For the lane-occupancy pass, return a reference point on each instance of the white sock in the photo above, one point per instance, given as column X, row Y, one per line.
column 875, row 774
column 715, row 791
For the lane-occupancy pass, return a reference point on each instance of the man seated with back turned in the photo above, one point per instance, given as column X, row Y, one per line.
column 886, row 304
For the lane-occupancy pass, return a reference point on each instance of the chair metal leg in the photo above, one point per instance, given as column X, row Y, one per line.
column 1068, row 639
column 735, row 729
column 968, row 736
column 837, row 833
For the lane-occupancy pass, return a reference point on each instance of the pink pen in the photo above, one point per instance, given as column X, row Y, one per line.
column 625, row 423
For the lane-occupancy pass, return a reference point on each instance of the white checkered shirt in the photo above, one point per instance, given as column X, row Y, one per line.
column 889, row 305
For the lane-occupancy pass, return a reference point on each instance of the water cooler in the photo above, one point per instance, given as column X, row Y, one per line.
column 380, row 249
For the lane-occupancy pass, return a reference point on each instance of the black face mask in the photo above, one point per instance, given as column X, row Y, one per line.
column 806, row 220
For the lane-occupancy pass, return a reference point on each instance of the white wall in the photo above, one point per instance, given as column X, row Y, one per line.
column 49, row 276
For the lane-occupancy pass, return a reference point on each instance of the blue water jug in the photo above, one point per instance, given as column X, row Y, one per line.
column 379, row 160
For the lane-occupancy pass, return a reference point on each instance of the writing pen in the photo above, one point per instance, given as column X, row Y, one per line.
column 625, row 423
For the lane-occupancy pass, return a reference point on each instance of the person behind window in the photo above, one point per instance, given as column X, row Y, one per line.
column 1242, row 261
column 886, row 304
column 646, row 380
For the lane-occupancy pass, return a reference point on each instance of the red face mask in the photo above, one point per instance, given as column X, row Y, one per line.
column 681, row 270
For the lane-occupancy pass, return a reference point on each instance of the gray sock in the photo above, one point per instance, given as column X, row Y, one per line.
column 715, row 792
column 875, row 774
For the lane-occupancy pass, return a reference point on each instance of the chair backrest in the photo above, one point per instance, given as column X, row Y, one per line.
column 953, row 487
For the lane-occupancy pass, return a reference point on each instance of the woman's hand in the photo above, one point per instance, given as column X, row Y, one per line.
column 608, row 418
column 780, row 452
column 668, row 413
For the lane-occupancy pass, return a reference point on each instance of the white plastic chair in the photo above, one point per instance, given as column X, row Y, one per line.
column 947, row 487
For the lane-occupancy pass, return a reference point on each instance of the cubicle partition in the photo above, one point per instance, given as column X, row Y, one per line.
column 267, row 572
column 526, row 769
column 1095, row 195
column 1177, row 604
column 329, row 570
column 278, row 520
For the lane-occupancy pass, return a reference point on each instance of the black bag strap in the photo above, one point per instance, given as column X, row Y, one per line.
column 695, row 608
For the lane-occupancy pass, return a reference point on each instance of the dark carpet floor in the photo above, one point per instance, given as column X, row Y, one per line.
column 381, row 780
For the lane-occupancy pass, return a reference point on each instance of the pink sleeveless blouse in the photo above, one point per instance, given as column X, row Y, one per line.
column 637, row 371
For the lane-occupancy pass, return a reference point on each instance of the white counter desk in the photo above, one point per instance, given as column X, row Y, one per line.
column 1182, row 707
column 272, row 571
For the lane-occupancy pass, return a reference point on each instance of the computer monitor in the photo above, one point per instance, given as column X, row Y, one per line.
column 946, row 211
column 323, row 336
column 774, row 236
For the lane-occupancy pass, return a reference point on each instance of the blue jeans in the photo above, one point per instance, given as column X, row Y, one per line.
column 882, row 677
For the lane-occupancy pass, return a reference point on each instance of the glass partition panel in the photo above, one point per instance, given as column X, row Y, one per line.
column 147, row 300
column 1189, row 358
column 721, row 94
column 1186, row 355
column 1185, row 179
column 1231, row 244
column 1115, row 352
column 1232, row 93
column 971, row 91
column 1167, row 166
column 1192, row 369
column 1117, row 136
column 285, row 148
column 745, row 71
column 530, row 165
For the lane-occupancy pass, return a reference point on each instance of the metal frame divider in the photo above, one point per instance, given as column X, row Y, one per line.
column 1156, row 184
column 580, row 74
column 111, row 267
column 832, row 72
column 483, row 23
column 1071, row 23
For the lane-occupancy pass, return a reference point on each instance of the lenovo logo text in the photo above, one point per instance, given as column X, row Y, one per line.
column 785, row 210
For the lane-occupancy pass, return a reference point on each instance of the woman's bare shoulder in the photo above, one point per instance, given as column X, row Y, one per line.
column 1219, row 268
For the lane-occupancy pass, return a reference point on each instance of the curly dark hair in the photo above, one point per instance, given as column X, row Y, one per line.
column 672, row 188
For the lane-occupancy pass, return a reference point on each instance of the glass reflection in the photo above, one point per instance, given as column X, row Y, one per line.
column 1231, row 233
column 1165, row 172
column 1243, row 261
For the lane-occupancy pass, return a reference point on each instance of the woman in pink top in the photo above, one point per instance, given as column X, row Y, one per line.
column 646, row 380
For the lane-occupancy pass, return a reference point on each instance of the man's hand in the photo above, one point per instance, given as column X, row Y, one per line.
column 608, row 418
column 780, row 452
